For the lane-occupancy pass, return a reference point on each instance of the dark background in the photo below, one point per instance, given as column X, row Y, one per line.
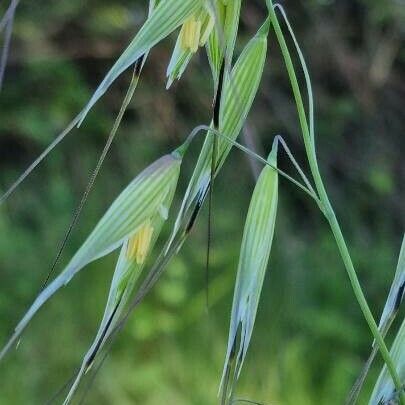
column 310, row 339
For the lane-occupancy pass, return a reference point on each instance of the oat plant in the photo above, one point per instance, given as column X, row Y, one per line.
column 134, row 220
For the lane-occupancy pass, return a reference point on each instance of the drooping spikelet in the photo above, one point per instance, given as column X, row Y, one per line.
column 239, row 91
column 128, row 215
column 254, row 255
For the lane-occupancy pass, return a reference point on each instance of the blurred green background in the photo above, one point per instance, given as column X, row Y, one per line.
column 310, row 340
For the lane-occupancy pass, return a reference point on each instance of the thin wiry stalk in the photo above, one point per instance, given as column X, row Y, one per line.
column 281, row 140
column 110, row 139
column 328, row 209
column 305, row 70
column 281, row 172
column 253, row 155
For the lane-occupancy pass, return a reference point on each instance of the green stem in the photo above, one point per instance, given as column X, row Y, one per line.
column 328, row 209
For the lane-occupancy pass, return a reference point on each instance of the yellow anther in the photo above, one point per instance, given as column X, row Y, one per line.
column 138, row 245
column 190, row 34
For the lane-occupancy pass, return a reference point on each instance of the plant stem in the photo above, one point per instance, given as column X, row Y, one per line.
column 328, row 209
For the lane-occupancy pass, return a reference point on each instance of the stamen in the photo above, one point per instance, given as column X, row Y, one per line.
column 196, row 30
column 138, row 245
column 190, row 34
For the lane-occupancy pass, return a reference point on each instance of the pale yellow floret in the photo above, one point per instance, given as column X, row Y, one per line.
column 138, row 245
column 196, row 30
column 190, row 34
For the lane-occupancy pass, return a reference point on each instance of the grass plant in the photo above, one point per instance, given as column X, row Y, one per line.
column 134, row 220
